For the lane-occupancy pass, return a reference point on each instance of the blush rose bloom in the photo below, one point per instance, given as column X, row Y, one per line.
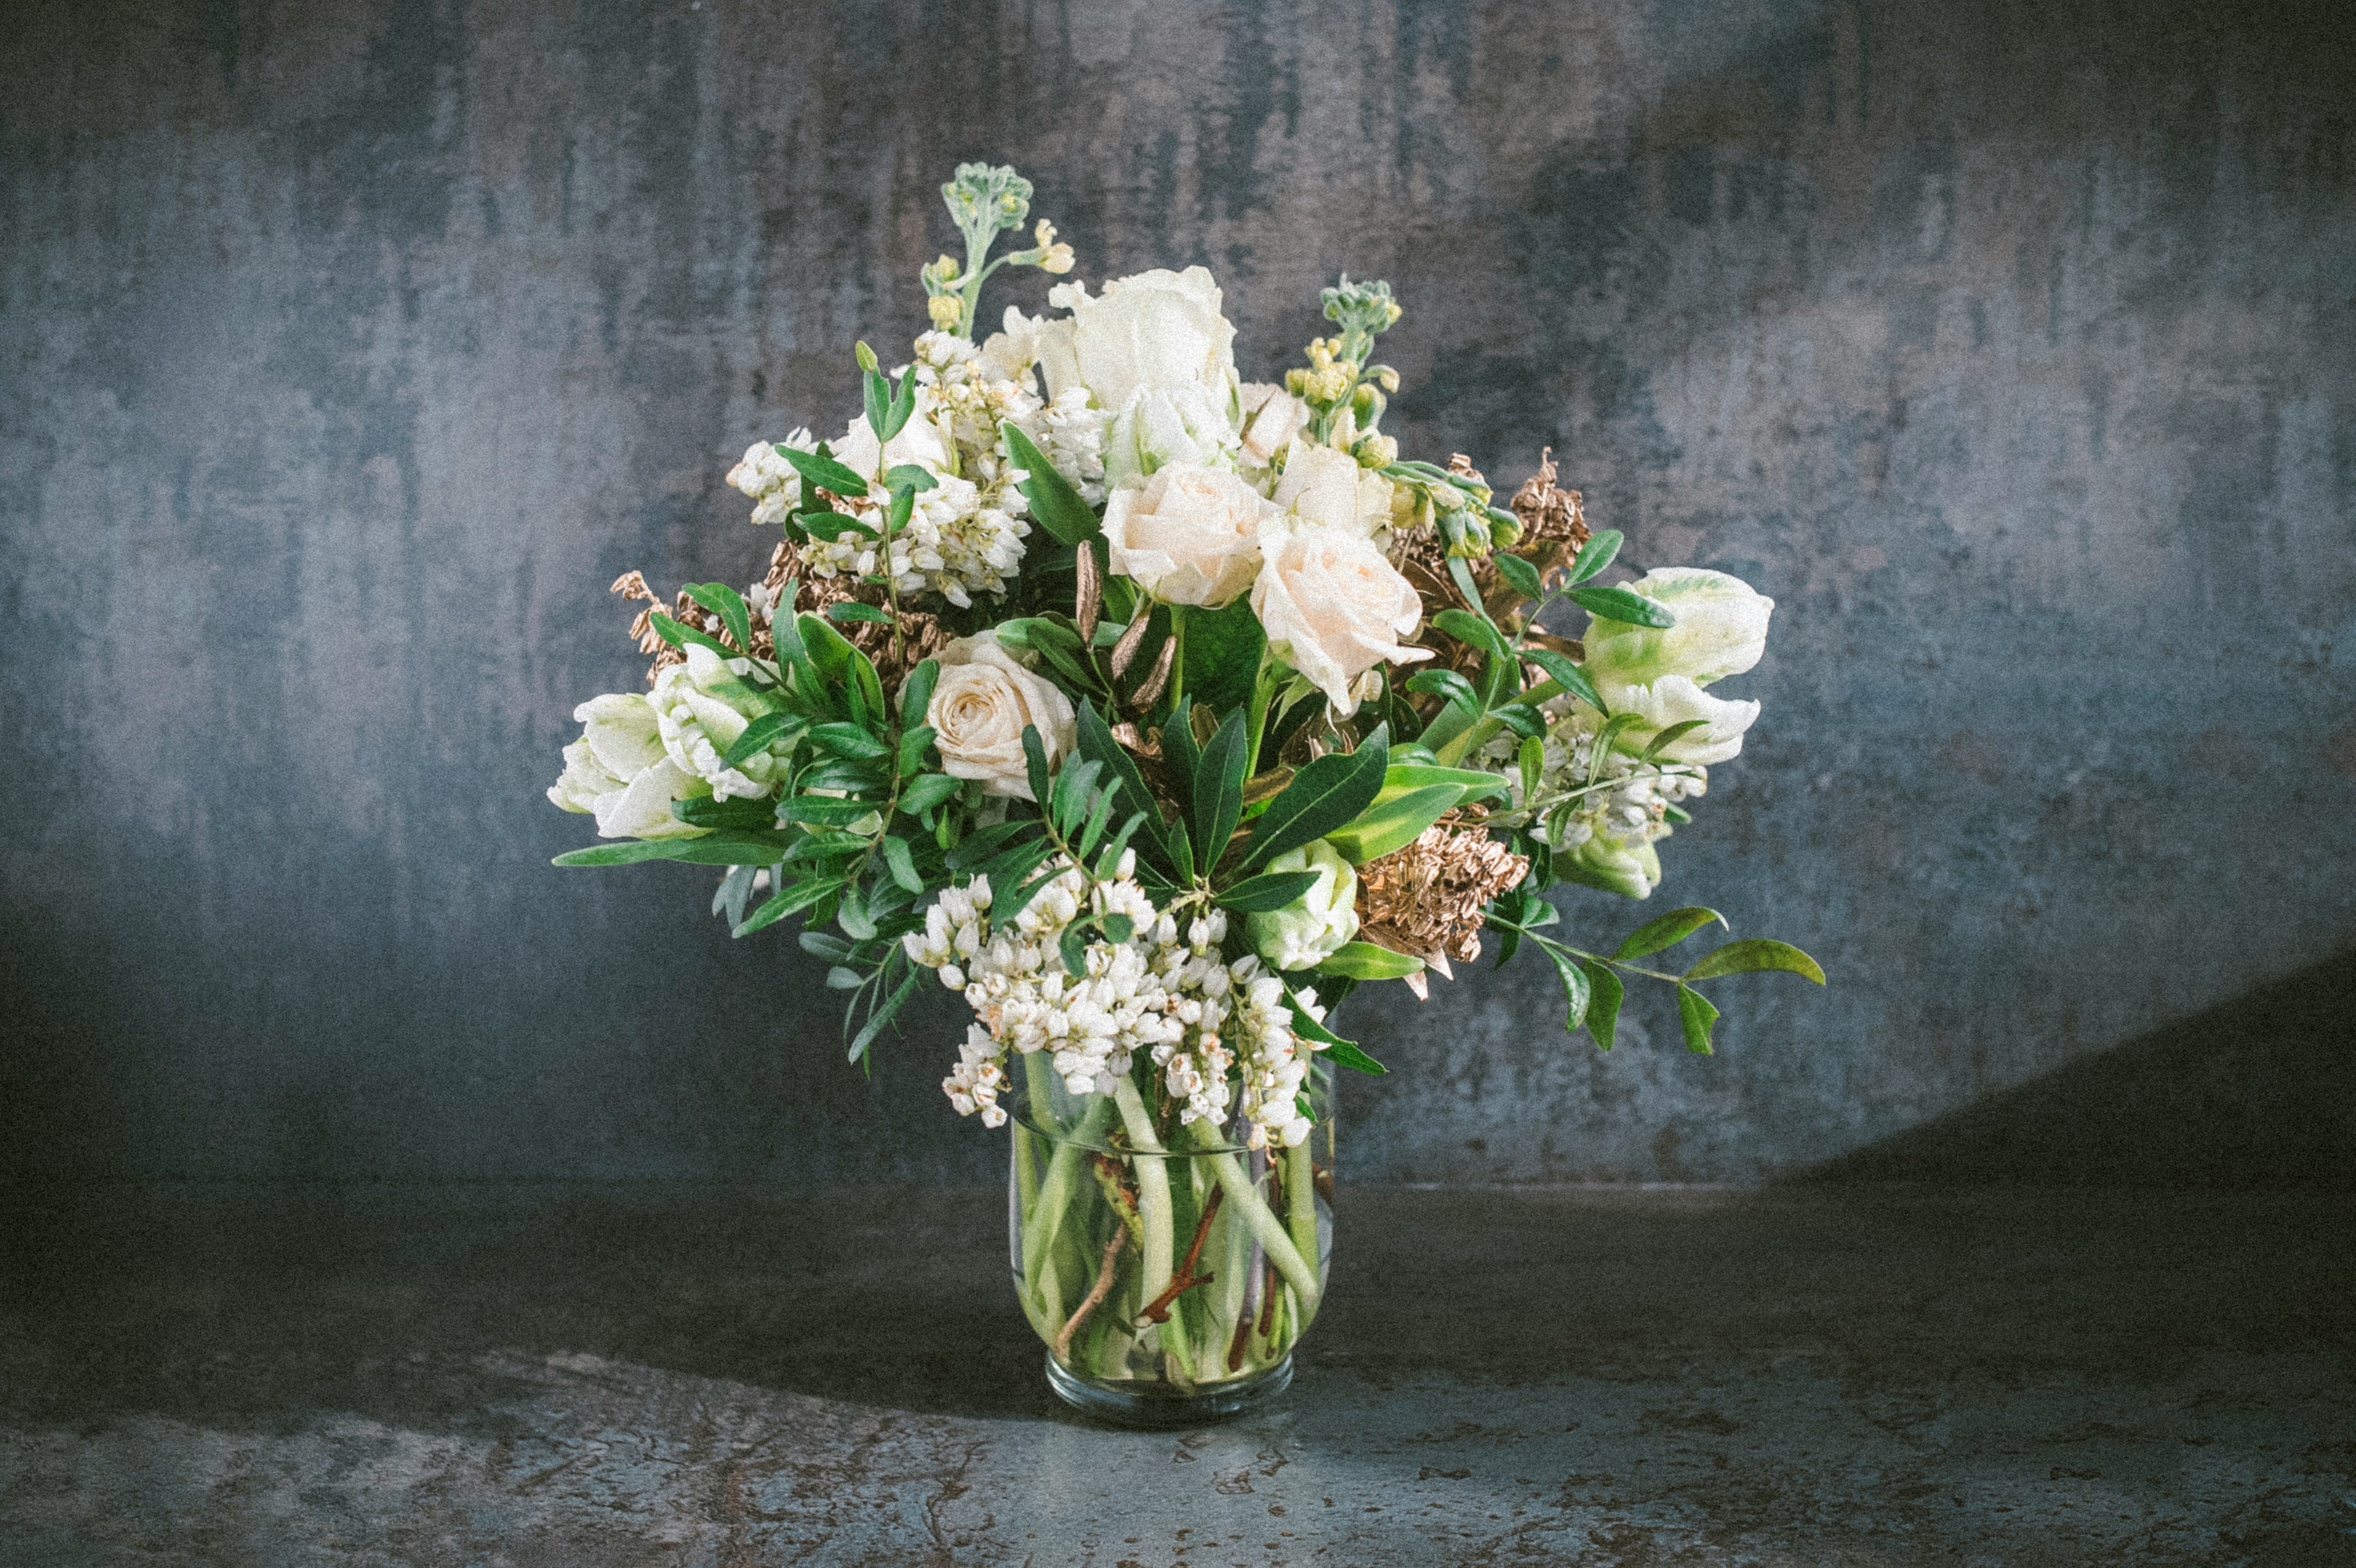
column 1188, row 536
column 1333, row 607
column 980, row 703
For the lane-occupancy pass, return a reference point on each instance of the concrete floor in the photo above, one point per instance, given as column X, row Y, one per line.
column 1843, row 1376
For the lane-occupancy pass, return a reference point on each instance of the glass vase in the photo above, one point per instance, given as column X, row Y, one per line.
column 1169, row 1267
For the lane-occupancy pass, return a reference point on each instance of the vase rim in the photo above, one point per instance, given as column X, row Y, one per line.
column 1018, row 1105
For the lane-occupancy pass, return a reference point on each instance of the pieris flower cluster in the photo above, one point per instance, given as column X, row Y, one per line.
column 1164, row 991
column 1601, row 820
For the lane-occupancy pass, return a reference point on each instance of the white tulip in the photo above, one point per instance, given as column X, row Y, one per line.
column 1674, row 699
column 1311, row 929
column 619, row 770
column 1721, row 630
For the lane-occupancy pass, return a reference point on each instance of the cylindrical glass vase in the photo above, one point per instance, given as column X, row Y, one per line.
column 1171, row 1269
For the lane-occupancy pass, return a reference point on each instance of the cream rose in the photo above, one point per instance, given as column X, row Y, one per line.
column 980, row 703
column 1189, row 536
column 1333, row 607
column 1323, row 485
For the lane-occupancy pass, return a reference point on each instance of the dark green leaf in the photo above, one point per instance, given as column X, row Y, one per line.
column 904, row 404
column 1446, row 684
column 884, row 1014
column 833, row 525
column 1097, row 742
column 983, row 843
column 1117, row 927
column 1339, row 1051
column 876, row 393
column 1073, row 947
column 757, row 737
column 1397, row 818
column 1574, row 987
column 1666, row 931
column 792, row 900
column 843, row 610
column 1520, row 573
column 927, row 791
column 729, row 606
column 903, row 864
column 679, row 635
column 916, row 692
column 1755, row 953
column 1532, row 761
column 1694, row 1012
column 842, row 774
column 1219, row 787
column 735, row 812
column 1223, row 655
column 1566, row 675
column 1595, row 555
column 849, row 740
column 1525, row 722
column 1268, row 890
column 1620, row 605
column 1035, row 758
column 1056, row 506
column 825, row 473
column 1322, row 796
column 1604, row 992
column 627, row 854
column 1466, row 627
column 912, row 745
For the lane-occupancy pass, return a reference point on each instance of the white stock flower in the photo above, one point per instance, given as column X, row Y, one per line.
column 773, row 483
column 1322, row 486
column 1313, row 927
column 1333, row 607
column 1187, row 536
column 918, row 442
column 1070, row 435
column 619, row 770
column 980, row 703
column 698, row 725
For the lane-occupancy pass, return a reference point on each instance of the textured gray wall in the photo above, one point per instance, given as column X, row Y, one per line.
column 350, row 350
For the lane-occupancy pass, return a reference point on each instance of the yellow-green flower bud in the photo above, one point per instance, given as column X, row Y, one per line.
column 1376, row 452
column 946, row 309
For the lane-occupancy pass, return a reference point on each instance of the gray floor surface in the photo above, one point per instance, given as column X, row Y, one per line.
column 1826, row 1376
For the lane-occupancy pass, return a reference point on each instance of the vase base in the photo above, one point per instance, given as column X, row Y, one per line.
column 1157, row 1405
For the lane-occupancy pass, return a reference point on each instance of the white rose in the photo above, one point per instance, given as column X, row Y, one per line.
column 697, row 725
column 1272, row 417
column 619, row 770
column 1189, row 536
column 1314, row 928
column 1333, row 607
column 1160, row 427
column 980, row 703
column 1327, row 487
column 1156, row 332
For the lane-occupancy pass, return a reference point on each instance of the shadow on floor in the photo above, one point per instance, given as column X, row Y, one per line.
column 2257, row 1092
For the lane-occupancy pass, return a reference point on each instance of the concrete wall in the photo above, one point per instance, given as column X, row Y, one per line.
column 350, row 351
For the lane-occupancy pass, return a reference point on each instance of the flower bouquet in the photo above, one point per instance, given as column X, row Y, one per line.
column 1154, row 710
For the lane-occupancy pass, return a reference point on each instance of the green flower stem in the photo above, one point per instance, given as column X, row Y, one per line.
column 1300, row 1202
column 1152, row 1187
column 1046, row 1217
column 1269, row 1231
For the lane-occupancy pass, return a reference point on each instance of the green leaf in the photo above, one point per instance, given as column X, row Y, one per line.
column 914, row 478
column 1339, row 1051
column 849, row 740
column 1666, row 931
column 1073, row 947
column 832, row 525
column 904, row 404
column 1476, row 630
column 679, row 635
column 913, row 744
column 1596, row 555
column 853, row 917
column 922, row 793
column 757, row 737
column 903, row 864
column 729, row 606
column 1416, row 774
column 1574, row 987
column 1034, row 757
column 825, row 472
column 1054, row 504
column 1604, row 992
column 1447, row 683
column 1566, row 675
column 1392, row 822
column 1117, row 927
column 1694, row 1012
column 876, row 392
column 842, row 774
column 1756, row 954
column 1620, row 605
column 1365, row 961
column 1223, row 655
column 1525, row 722
column 791, row 900
column 1099, row 818
column 884, row 1014
column 1219, row 788
column 1097, row 742
column 1532, row 759
column 1670, row 736
column 843, row 610
column 841, row 977
column 824, row 811
column 629, row 853
column 1268, row 890
column 1520, row 573
column 1322, row 796
column 916, row 692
